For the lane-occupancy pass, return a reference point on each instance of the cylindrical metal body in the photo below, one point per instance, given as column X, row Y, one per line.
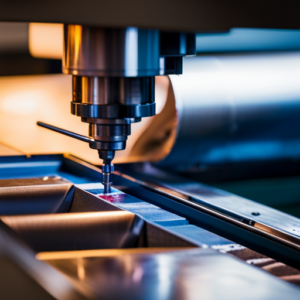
column 122, row 52
column 114, row 90
column 109, row 132
column 98, row 90
column 235, row 109
column 111, row 104
column 113, row 78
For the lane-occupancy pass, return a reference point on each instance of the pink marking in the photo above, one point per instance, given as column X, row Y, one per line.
column 113, row 198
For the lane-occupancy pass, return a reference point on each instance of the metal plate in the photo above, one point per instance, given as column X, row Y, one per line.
column 77, row 231
column 35, row 199
column 189, row 274
column 222, row 204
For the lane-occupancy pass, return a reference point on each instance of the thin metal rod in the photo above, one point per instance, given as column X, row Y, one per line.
column 66, row 132
column 106, row 183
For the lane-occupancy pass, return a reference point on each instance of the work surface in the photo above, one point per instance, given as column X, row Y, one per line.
column 188, row 274
column 119, row 246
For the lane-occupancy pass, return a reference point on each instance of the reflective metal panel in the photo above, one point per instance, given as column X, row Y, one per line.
column 34, row 199
column 77, row 231
column 190, row 274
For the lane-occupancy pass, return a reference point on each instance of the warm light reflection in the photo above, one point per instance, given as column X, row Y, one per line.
column 45, row 40
column 24, row 100
column 104, row 252
column 77, row 41
column 80, row 269
column 120, row 215
column 21, row 103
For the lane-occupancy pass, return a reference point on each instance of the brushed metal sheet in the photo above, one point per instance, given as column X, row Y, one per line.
column 188, row 274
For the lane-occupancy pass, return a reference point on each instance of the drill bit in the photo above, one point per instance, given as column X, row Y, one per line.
column 106, row 155
column 106, row 171
column 107, row 168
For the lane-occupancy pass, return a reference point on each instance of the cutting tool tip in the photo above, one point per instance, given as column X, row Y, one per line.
column 106, row 183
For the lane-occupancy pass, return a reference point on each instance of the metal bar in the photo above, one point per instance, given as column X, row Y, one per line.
column 217, row 211
column 66, row 132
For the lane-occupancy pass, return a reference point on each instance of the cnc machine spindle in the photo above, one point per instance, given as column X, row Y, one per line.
column 114, row 73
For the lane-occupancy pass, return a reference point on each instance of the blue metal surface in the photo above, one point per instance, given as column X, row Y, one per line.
column 152, row 213
column 249, row 39
column 147, row 211
column 43, row 165
column 200, row 235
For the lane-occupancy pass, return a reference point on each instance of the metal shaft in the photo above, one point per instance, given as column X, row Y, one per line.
column 106, row 183
column 66, row 132
column 107, row 168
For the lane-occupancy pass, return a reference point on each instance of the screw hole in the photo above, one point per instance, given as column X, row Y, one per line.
column 255, row 213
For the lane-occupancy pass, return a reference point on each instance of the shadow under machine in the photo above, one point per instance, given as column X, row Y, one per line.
column 170, row 230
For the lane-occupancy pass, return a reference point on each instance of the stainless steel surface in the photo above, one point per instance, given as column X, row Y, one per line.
column 48, row 278
column 189, row 274
column 92, row 51
column 86, row 269
column 231, row 208
column 269, row 220
column 109, row 132
column 77, row 231
column 33, row 181
column 97, row 90
column 87, row 202
column 12, row 275
column 110, row 121
column 16, row 198
column 113, row 90
column 235, row 109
